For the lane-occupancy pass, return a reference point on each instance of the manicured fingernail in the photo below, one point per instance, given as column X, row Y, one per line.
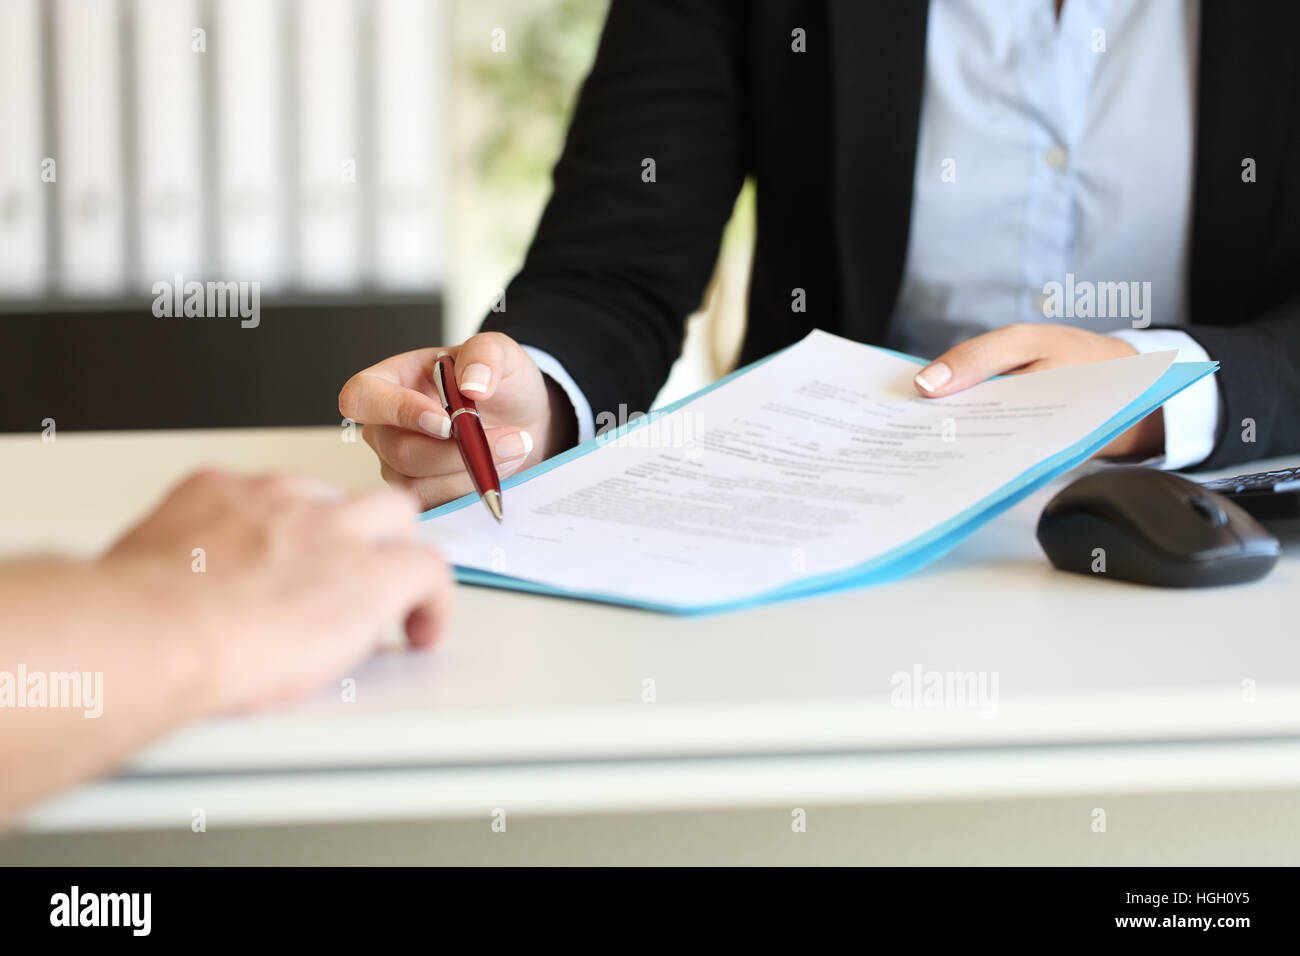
column 933, row 376
column 516, row 445
column 475, row 378
column 439, row 426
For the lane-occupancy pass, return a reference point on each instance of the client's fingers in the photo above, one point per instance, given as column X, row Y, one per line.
column 417, row 587
column 376, row 515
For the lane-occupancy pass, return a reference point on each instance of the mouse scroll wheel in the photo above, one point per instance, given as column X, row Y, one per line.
column 1209, row 510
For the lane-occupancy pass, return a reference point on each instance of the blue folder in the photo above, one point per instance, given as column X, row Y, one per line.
column 890, row 566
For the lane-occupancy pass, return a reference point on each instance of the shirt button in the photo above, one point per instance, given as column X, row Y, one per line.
column 1057, row 157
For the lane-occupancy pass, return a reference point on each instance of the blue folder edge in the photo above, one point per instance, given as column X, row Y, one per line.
column 890, row 566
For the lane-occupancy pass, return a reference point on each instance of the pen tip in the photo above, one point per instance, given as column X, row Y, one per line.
column 493, row 501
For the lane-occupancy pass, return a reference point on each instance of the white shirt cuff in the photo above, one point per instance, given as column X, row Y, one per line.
column 553, row 370
column 1192, row 416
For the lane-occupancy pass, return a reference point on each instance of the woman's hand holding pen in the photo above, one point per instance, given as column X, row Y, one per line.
column 526, row 416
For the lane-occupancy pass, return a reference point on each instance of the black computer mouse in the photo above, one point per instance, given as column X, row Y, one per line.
column 1153, row 527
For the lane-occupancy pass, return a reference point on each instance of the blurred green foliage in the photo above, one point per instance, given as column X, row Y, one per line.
column 529, row 93
column 531, row 89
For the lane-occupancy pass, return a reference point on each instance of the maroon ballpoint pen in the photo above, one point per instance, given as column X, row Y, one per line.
column 467, row 431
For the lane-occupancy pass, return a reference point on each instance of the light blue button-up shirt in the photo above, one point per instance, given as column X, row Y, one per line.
column 1055, row 156
column 1050, row 151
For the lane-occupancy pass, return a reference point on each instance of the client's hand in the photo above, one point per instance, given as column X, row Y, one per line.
column 1030, row 347
column 297, row 581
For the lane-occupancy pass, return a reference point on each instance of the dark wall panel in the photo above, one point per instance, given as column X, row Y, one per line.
column 123, row 368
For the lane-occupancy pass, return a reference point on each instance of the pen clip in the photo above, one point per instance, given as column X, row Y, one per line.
column 438, row 380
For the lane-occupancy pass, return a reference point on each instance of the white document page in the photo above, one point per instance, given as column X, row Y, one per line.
column 818, row 460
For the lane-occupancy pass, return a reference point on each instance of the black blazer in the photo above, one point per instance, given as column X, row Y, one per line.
column 711, row 90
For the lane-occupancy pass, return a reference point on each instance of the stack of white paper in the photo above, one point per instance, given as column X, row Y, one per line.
column 818, row 468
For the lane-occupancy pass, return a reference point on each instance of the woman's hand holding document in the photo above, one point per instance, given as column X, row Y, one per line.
column 817, row 468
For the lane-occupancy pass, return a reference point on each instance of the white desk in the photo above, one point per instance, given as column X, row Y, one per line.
column 1107, row 693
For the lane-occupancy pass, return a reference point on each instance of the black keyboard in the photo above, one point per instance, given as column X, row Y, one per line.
column 1271, row 497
